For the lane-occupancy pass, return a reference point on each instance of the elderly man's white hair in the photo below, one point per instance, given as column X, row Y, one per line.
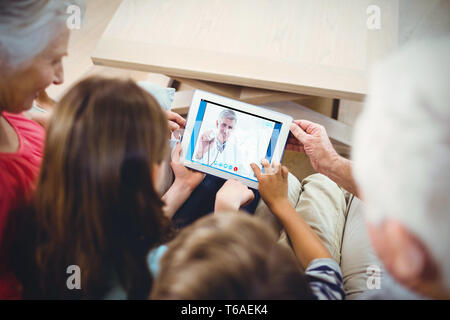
column 402, row 145
column 27, row 27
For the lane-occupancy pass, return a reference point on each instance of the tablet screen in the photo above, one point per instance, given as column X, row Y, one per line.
column 229, row 140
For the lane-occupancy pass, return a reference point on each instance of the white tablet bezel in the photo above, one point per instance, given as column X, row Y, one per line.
column 199, row 95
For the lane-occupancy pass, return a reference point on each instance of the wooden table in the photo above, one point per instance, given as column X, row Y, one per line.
column 294, row 47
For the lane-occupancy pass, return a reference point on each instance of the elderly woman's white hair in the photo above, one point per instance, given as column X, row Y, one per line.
column 402, row 145
column 27, row 27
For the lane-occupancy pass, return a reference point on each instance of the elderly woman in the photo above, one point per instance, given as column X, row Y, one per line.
column 33, row 41
column 402, row 158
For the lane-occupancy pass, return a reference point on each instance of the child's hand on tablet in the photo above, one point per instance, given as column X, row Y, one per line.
column 184, row 176
column 232, row 196
column 273, row 183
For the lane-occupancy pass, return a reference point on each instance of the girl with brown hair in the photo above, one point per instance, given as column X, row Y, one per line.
column 97, row 203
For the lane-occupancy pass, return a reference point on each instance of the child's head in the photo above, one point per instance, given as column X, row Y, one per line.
column 229, row 256
column 96, row 202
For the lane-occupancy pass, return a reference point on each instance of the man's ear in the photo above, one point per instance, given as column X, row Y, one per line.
column 411, row 261
column 408, row 261
column 217, row 123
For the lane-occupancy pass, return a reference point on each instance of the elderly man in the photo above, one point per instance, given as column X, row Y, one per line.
column 215, row 147
column 401, row 169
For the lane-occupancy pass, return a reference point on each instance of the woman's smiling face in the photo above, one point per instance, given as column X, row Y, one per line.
column 19, row 88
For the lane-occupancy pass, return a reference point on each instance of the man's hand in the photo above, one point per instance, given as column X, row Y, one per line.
column 205, row 143
column 273, row 183
column 185, row 177
column 312, row 139
column 232, row 196
column 175, row 121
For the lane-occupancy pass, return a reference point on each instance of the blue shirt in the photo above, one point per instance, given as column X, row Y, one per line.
column 117, row 292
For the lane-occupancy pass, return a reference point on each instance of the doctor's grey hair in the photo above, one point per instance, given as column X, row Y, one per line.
column 28, row 26
column 228, row 114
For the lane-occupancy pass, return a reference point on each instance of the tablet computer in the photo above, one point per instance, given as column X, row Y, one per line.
column 223, row 136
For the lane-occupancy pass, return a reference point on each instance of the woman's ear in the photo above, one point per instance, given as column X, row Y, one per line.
column 406, row 258
column 409, row 260
column 412, row 263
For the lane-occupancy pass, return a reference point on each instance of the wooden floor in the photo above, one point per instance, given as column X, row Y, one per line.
column 419, row 19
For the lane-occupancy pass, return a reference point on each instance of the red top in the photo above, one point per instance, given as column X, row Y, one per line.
column 18, row 172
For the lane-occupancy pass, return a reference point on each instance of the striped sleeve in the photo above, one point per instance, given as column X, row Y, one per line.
column 325, row 279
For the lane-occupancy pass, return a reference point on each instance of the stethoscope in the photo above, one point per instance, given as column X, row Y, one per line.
column 217, row 154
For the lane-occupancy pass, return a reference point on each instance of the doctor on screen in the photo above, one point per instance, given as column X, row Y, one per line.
column 215, row 147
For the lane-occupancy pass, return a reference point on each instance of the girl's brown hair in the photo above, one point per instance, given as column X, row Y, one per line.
column 95, row 204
